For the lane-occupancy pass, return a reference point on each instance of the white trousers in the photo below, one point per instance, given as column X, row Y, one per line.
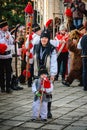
column 39, row 109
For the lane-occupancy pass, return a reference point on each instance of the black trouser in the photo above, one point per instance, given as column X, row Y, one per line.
column 84, row 73
column 62, row 59
column 31, row 69
column 5, row 68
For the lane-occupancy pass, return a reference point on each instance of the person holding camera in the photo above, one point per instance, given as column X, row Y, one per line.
column 78, row 9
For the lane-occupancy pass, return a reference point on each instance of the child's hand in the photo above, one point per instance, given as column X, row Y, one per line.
column 38, row 94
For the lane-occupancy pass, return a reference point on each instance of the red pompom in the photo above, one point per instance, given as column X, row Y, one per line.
column 29, row 25
column 30, row 46
column 68, row 12
column 30, row 37
column 26, row 73
column 30, row 55
column 46, row 83
column 29, row 9
column 3, row 48
column 24, row 50
column 49, row 22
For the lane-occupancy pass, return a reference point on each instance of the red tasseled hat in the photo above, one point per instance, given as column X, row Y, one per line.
column 68, row 12
column 49, row 22
column 3, row 48
column 29, row 9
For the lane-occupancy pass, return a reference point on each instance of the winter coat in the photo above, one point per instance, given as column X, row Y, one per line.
column 49, row 58
column 78, row 11
column 36, row 86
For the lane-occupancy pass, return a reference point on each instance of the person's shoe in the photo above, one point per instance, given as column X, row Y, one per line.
column 56, row 79
column 29, row 85
column 2, row 90
column 33, row 119
column 9, row 90
column 49, row 115
column 80, row 84
column 19, row 88
column 44, row 120
column 16, row 88
column 63, row 79
column 85, row 89
column 66, row 83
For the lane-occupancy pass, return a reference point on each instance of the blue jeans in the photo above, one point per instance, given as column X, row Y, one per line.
column 84, row 60
column 77, row 22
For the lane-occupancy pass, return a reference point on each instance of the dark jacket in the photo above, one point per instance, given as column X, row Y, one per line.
column 79, row 10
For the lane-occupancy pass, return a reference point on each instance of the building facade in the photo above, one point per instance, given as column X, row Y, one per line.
column 49, row 9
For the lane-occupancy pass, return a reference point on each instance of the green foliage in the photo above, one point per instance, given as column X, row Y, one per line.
column 13, row 11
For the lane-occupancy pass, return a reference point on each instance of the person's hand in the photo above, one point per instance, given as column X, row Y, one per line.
column 38, row 94
column 7, row 36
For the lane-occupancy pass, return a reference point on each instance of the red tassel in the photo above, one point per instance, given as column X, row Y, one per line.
column 30, row 46
column 29, row 9
column 3, row 48
column 30, row 55
column 29, row 25
column 26, row 73
column 30, row 37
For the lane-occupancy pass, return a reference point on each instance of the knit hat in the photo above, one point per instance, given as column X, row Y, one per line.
column 35, row 27
column 43, row 70
column 45, row 33
column 62, row 27
column 3, row 23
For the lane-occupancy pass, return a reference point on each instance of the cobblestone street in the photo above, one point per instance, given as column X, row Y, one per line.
column 69, row 109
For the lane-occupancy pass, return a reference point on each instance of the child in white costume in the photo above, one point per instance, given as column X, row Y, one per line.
column 42, row 89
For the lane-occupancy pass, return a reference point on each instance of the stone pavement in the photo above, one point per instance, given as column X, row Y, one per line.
column 69, row 109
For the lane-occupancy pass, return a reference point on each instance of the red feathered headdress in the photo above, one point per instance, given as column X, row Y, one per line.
column 49, row 22
column 29, row 9
column 68, row 12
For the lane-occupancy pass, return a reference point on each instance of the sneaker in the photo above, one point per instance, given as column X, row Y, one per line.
column 49, row 115
column 66, row 83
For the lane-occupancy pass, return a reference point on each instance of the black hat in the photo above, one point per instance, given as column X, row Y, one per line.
column 3, row 23
column 45, row 33
column 42, row 70
column 35, row 27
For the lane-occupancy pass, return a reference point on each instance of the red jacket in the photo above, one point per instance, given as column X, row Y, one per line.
column 62, row 37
